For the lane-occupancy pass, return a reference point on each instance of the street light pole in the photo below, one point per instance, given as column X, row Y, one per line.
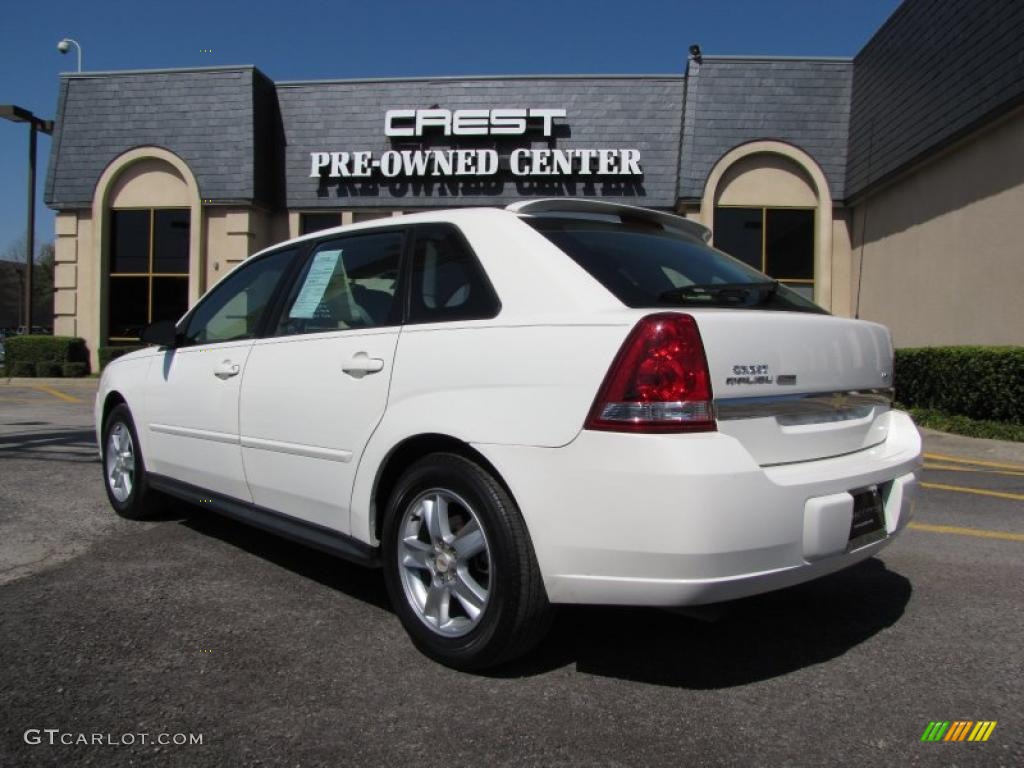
column 30, row 231
column 21, row 115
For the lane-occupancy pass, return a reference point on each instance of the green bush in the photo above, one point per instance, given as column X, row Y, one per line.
column 108, row 354
column 981, row 383
column 45, row 349
column 49, row 369
column 74, row 370
column 962, row 425
column 45, row 355
column 21, row 369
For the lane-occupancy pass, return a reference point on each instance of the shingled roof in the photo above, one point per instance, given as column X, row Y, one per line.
column 205, row 116
column 933, row 73
column 734, row 100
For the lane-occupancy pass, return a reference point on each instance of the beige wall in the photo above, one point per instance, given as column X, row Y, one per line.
column 76, row 280
column 67, row 229
column 149, row 184
column 766, row 179
column 842, row 263
column 940, row 251
column 232, row 235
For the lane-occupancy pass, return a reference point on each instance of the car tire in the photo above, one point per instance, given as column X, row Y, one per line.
column 124, row 471
column 460, row 567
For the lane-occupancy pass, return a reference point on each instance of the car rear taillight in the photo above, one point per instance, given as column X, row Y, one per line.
column 659, row 381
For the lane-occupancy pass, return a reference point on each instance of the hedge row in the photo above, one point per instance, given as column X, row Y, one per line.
column 984, row 383
column 108, row 354
column 46, row 356
column 48, row 370
column 961, row 425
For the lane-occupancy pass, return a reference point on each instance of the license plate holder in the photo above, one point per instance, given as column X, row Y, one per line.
column 868, row 522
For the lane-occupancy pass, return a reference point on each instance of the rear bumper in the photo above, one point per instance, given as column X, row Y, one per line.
column 666, row 520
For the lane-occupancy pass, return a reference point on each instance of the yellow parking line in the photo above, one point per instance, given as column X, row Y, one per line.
column 1005, row 472
column 57, row 393
column 977, row 491
column 978, row 462
column 978, row 532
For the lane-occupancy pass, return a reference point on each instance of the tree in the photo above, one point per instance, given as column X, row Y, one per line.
column 12, row 285
column 42, row 285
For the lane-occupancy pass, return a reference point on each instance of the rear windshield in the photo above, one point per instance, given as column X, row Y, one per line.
column 646, row 265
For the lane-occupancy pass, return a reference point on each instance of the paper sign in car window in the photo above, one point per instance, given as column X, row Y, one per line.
column 312, row 293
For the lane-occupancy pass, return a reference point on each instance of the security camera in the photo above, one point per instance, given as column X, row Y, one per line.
column 63, row 46
column 695, row 51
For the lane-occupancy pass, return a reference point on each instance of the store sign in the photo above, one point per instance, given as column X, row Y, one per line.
column 469, row 122
column 524, row 161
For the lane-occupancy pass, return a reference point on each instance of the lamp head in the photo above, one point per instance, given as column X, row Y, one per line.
column 64, row 46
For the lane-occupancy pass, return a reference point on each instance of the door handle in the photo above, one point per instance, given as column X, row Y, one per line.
column 361, row 364
column 226, row 370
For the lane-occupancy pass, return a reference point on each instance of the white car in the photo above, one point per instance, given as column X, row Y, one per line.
column 564, row 401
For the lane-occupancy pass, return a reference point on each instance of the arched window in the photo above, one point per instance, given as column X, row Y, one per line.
column 148, row 207
column 148, row 276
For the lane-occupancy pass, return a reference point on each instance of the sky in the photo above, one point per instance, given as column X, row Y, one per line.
column 310, row 39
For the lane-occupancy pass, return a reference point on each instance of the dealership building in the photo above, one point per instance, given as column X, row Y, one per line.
column 887, row 186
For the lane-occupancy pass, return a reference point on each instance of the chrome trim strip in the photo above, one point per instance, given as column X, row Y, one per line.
column 295, row 449
column 780, row 464
column 201, row 434
column 803, row 407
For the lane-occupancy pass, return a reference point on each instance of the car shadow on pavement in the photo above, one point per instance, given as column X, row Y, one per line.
column 730, row 644
column 365, row 584
column 712, row 647
column 56, row 444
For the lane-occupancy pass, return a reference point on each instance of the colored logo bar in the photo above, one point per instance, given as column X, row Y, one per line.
column 958, row 730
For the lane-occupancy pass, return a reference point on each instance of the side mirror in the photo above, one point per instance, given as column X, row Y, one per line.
column 163, row 333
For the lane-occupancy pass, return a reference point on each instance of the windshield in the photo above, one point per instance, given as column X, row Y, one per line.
column 646, row 265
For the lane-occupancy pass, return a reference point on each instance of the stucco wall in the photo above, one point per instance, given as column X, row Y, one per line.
column 234, row 234
column 75, row 308
column 939, row 252
column 766, row 179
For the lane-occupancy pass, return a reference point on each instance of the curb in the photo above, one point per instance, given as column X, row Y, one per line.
column 83, row 382
column 944, row 443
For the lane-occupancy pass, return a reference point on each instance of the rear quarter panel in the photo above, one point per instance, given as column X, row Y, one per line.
column 480, row 383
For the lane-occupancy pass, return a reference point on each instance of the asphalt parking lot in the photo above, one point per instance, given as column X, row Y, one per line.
column 278, row 655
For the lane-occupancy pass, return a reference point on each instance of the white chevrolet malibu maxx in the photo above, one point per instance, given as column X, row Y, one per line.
column 565, row 401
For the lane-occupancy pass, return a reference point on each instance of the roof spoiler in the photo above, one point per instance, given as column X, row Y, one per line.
column 579, row 205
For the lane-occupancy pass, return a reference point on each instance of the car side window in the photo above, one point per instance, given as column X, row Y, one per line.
column 349, row 282
column 234, row 308
column 447, row 281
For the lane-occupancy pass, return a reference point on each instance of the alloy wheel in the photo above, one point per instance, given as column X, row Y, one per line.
column 444, row 560
column 120, row 463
